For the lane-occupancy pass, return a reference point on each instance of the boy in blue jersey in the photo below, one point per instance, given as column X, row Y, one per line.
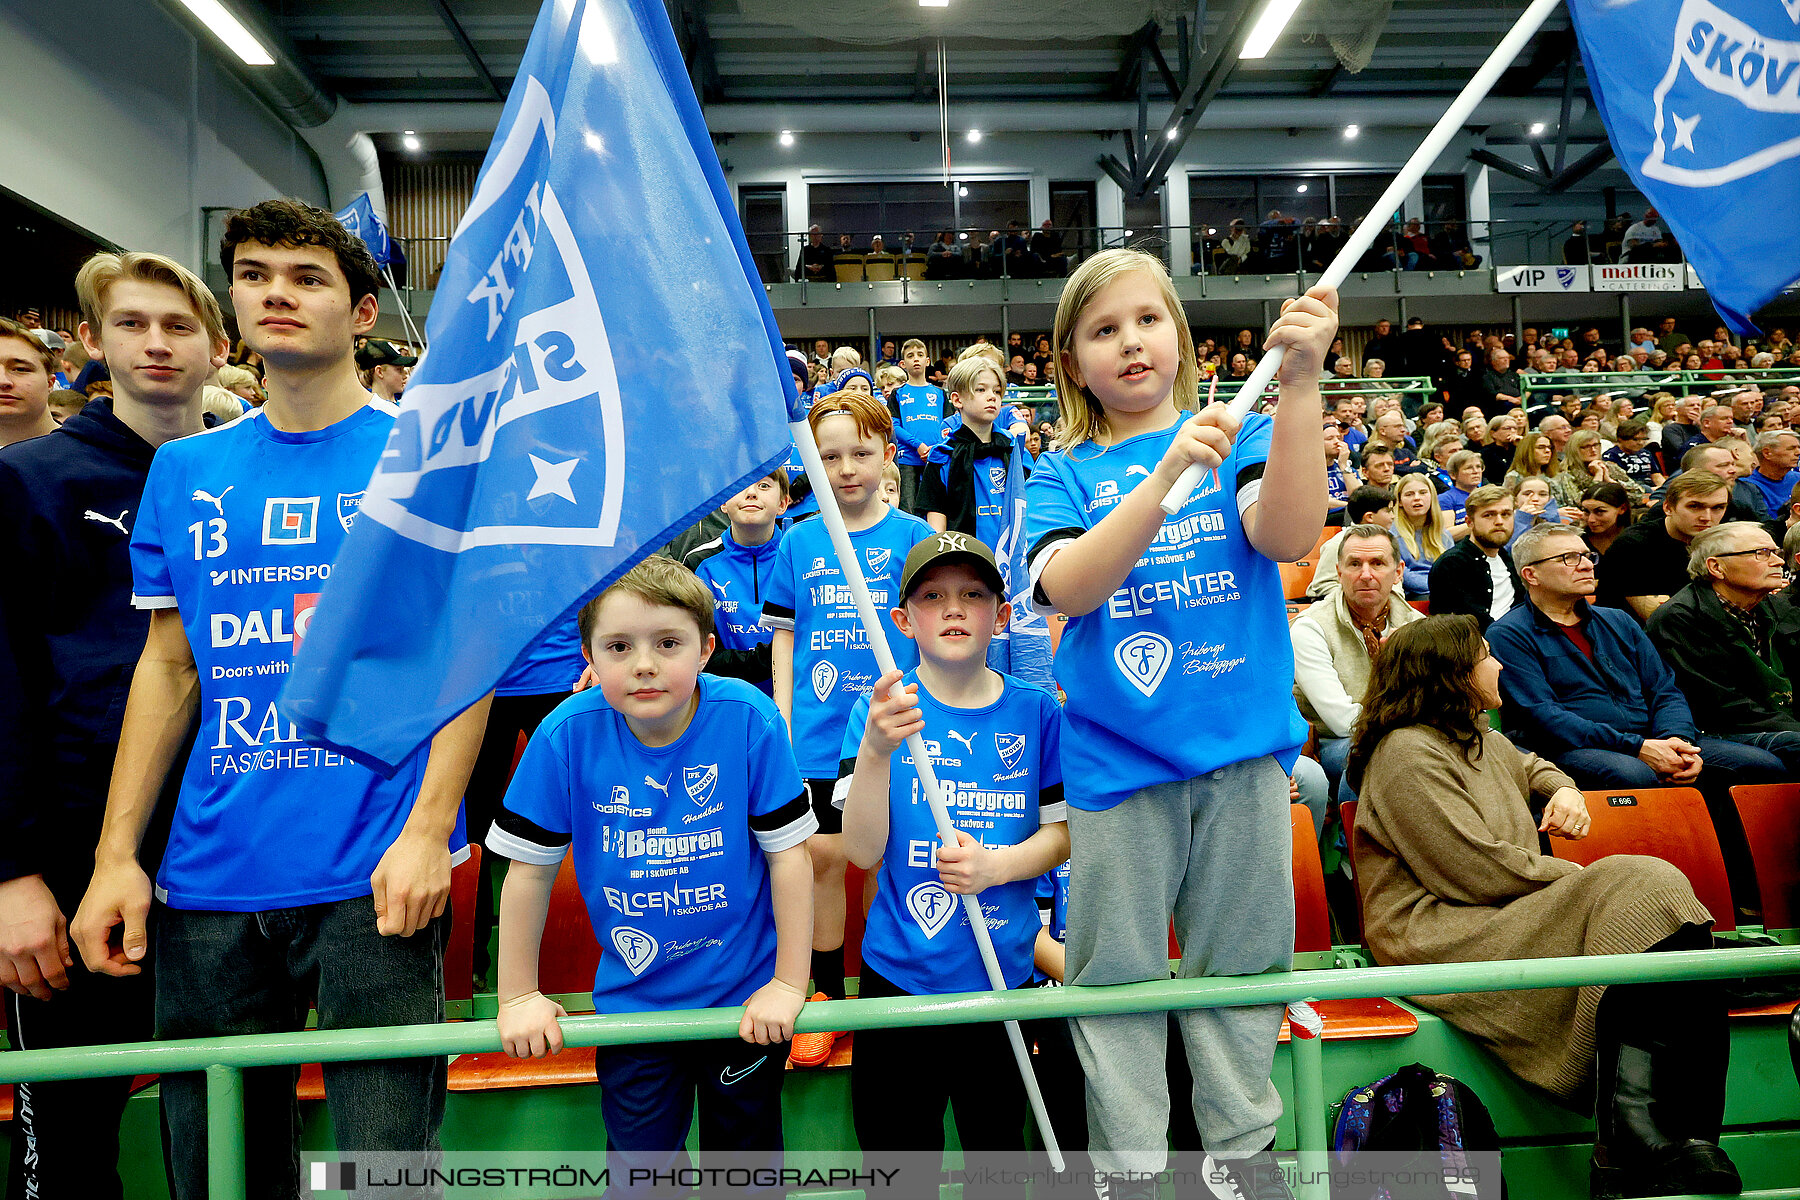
column 918, row 418
column 741, row 558
column 678, row 796
column 964, row 486
column 291, row 873
column 821, row 658
column 993, row 741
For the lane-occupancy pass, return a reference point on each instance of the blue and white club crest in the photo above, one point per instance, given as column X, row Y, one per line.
column 1565, row 277
column 1720, row 106
column 636, row 948
column 824, row 678
column 527, row 365
column 931, row 907
column 700, row 782
column 997, row 475
column 1143, row 658
column 1011, row 747
column 348, row 503
column 878, row 560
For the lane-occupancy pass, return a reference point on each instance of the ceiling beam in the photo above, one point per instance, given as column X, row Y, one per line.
column 1553, row 49
column 467, row 47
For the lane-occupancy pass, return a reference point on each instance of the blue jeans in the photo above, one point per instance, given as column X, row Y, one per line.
column 1783, row 745
column 1334, row 753
column 1314, row 787
column 227, row 972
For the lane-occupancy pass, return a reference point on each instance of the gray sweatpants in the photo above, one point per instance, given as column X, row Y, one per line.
column 1216, row 852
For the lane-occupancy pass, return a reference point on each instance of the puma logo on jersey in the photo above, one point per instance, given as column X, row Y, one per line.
column 1130, row 471
column 719, row 586
column 662, row 787
column 217, row 501
column 968, row 742
column 117, row 522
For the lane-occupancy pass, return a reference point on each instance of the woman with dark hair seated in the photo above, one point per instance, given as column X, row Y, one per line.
column 1447, row 860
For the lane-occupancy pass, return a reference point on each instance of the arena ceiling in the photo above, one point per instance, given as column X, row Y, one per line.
column 885, row 51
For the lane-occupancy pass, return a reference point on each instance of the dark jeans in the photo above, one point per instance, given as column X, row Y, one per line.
column 507, row 719
column 65, row 1136
column 902, row 1080
column 1729, row 762
column 909, row 488
column 1334, row 754
column 647, row 1099
column 226, row 972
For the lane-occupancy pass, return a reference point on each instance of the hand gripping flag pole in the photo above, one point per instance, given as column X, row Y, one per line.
column 934, row 793
column 1376, row 223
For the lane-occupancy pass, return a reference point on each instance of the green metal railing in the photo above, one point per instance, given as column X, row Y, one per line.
column 1586, row 383
column 225, row 1059
column 1332, row 385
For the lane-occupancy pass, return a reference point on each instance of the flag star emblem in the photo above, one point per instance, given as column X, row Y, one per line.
column 1684, row 131
column 552, row 478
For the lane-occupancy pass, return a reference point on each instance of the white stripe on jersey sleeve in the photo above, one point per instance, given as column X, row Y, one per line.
column 1049, row 814
column 840, row 792
column 520, row 850
column 148, row 603
column 773, row 621
column 774, row 841
column 1038, row 562
column 1247, row 495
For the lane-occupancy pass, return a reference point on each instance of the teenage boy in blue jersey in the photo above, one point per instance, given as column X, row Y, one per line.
column 291, row 873
column 964, row 487
column 820, row 654
column 741, row 558
column 69, row 639
column 918, row 422
column 994, row 743
column 678, row 795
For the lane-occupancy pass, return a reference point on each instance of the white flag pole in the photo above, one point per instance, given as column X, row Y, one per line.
column 1361, row 238
column 405, row 317
column 934, row 793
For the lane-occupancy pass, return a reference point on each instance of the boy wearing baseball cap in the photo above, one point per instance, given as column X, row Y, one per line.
column 993, row 741
column 386, row 368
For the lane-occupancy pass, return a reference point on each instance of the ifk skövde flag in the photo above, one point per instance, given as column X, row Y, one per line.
column 1701, row 99
column 362, row 221
column 604, row 369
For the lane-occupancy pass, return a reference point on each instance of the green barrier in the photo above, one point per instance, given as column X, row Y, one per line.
column 1399, row 385
column 1567, row 383
column 224, row 1059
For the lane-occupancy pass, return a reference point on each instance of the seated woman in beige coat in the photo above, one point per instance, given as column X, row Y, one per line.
column 1447, row 861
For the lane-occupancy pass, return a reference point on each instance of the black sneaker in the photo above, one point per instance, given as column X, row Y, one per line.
column 1256, row 1177
column 1126, row 1187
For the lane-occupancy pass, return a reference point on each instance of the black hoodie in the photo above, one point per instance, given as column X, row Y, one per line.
column 69, row 641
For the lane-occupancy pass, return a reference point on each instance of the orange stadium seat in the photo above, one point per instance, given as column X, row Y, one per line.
column 1771, row 816
column 849, row 268
column 459, row 953
column 1667, row 823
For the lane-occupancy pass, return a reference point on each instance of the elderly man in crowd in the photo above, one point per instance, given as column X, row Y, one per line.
column 1732, row 648
column 1777, row 457
column 1648, row 563
column 1501, row 388
column 1368, row 505
column 1585, row 688
column 1335, row 641
column 1475, row 576
column 1682, row 430
column 1556, row 427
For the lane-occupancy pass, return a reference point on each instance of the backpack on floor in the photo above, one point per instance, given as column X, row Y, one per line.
column 1415, row 1118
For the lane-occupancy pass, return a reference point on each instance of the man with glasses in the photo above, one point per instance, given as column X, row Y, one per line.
column 1734, row 652
column 1585, row 688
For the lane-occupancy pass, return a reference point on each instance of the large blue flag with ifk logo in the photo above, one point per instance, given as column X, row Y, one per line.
column 1701, row 99
column 603, row 370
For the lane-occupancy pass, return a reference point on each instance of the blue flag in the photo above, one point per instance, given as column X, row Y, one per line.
column 360, row 219
column 1023, row 651
column 603, row 370
column 1701, row 99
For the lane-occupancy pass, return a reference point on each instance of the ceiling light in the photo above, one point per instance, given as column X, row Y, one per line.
column 228, row 29
column 1128, row 233
column 962, row 237
column 1537, row 129
column 410, row 142
column 1268, row 27
column 1171, row 134
column 409, row 132
column 787, row 137
column 1351, row 131
column 974, row 136
column 962, row 191
column 1301, row 189
column 934, row 3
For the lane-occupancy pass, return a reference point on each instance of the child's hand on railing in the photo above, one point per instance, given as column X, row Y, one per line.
column 770, row 1013
column 528, row 1026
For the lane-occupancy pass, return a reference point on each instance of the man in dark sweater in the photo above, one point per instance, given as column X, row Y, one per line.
column 1475, row 576
column 71, row 641
column 1680, row 432
column 1649, row 562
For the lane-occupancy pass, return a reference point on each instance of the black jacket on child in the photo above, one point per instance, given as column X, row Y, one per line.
column 69, row 642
